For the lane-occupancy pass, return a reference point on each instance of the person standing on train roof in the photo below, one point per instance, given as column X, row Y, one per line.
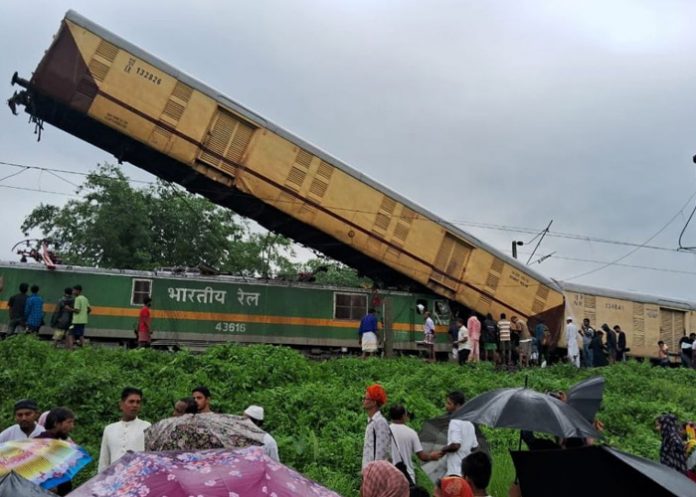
column 368, row 333
column 33, row 311
column 81, row 311
column 587, row 336
column 571, row 337
column 16, row 305
column 145, row 324
column 474, row 326
column 505, row 343
column 202, row 397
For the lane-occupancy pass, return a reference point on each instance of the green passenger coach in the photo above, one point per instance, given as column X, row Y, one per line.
column 195, row 309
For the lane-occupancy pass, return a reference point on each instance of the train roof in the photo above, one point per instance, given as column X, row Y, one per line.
column 632, row 296
column 80, row 20
column 194, row 276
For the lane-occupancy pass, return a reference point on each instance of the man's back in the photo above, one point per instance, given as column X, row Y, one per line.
column 33, row 310
column 17, row 304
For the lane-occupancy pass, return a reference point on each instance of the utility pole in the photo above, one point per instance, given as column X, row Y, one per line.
column 515, row 244
column 388, row 331
column 543, row 234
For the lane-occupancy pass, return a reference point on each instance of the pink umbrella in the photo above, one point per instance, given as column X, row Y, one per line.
column 210, row 473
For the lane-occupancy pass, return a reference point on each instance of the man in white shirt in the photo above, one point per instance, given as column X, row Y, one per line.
column 377, row 442
column 405, row 441
column 461, row 436
column 270, row 447
column 26, row 413
column 572, row 342
column 463, row 342
column 126, row 434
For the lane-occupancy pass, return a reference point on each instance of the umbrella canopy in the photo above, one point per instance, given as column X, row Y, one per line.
column 210, row 473
column 526, row 409
column 13, row 485
column 44, row 461
column 433, row 436
column 586, row 397
column 605, row 471
column 202, row 431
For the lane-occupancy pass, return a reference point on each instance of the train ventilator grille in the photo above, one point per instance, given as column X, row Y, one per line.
column 226, row 142
column 638, row 335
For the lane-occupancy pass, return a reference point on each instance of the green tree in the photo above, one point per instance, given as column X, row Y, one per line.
column 329, row 272
column 113, row 224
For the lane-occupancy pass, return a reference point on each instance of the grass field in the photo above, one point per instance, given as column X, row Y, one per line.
column 314, row 408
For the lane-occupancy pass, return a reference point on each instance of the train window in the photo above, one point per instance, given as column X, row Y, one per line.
column 351, row 306
column 140, row 290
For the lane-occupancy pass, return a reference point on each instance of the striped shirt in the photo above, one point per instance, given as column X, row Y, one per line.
column 504, row 330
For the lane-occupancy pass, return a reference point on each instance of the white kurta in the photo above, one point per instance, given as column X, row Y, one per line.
column 572, row 341
column 14, row 432
column 119, row 438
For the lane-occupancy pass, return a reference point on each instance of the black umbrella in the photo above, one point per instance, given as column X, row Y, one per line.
column 526, row 409
column 433, row 436
column 13, row 485
column 586, row 396
column 596, row 470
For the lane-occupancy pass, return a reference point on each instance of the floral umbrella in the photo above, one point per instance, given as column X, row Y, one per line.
column 202, row 431
column 211, row 473
column 44, row 461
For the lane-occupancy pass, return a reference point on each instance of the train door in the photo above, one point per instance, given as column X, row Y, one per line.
column 672, row 326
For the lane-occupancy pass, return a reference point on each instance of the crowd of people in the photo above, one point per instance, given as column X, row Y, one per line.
column 389, row 449
column 68, row 320
column 126, row 434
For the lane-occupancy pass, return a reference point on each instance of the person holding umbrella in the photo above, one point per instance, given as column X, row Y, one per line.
column 461, row 436
column 59, row 423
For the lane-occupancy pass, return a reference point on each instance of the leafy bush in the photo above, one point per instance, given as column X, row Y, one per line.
column 314, row 408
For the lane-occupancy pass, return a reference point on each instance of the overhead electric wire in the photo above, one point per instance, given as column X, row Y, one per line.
column 634, row 250
column 506, row 228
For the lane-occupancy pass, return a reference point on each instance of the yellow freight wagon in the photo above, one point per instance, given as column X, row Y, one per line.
column 646, row 319
column 111, row 93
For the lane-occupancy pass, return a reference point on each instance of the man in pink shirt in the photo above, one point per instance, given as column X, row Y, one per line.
column 474, row 327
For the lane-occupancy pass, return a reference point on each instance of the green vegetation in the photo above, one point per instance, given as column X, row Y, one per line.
column 314, row 408
column 116, row 225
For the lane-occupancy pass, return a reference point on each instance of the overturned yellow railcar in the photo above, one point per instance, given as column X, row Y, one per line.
column 116, row 96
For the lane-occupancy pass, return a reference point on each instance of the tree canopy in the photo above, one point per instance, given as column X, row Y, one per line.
column 116, row 225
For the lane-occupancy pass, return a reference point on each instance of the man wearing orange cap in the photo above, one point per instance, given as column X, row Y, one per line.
column 377, row 445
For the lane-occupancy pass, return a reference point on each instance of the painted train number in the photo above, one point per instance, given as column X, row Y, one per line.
column 227, row 327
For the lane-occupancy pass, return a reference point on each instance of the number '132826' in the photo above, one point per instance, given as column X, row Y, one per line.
column 227, row 327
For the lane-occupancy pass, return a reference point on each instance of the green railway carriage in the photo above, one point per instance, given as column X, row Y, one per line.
column 195, row 309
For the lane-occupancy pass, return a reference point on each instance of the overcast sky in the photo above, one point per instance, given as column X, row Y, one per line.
column 507, row 113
